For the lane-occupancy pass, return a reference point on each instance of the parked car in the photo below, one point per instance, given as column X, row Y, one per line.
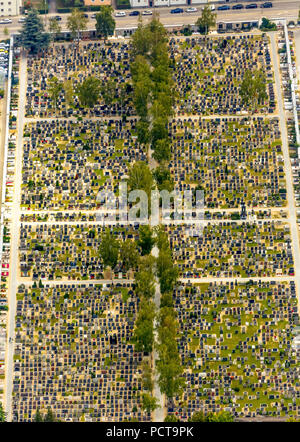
column 134, row 13
column 93, row 16
column 251, row 6
column 267, row 5
column 191, row 10
column 5, row 21
column 120, row 14
column 58, row 17
column 22, row 19
column 223, row 8
column 238, row 6
column 147, row 12
column 176, row 11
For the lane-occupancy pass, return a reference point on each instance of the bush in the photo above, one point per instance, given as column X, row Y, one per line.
column 267, row 25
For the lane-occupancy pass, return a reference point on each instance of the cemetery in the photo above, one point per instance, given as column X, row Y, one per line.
column 233, row 159
column 74, row 337
column 235, row 344
column 74, row 353
column 229, row 249
column 66, row 163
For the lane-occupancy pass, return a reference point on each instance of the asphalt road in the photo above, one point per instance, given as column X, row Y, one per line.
column 281, row 9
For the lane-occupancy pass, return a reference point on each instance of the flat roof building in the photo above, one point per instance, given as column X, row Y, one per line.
column 10, row 7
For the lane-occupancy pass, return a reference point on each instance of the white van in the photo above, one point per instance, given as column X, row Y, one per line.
column 120, row 14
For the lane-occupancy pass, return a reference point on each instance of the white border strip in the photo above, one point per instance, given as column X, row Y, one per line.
column 5, row 151
column 289, row 61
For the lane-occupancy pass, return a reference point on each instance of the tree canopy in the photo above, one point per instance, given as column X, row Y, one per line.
column 129, row 254
column 105, row 23
column 146, row 240
column 54, row 27
column 144, row 329
column 253, row 88
column 2, row 414
column 55, row 87
column 76, row 22
column 109, row 249
column 88, row 91
column 207, row 20
column 33, row 36
column 140, row 177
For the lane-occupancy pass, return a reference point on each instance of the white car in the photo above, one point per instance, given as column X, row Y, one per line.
column 120, row 14
column 5, row 21
column 22, row 19
column 147, row 12
column 191, row 10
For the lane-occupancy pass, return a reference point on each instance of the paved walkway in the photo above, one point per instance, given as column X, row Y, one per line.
column 15, row 225
column 159, row 413
column 287, row 165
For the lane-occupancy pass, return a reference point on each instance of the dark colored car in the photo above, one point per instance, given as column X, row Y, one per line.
column 251, row 6
column 223, row 8
column 267, row 5
column 58, row 18
column 239, row 6
column 176, row 11
column 134, row 13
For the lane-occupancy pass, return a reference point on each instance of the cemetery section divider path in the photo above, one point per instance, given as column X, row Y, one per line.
column 14, row 251
column 287, row 166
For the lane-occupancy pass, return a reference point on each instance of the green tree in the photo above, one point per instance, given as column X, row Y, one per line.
column 144, row 284
column 207, row 20
column 69, row 92
column 146, row 240
column 198, row 416
column 149, row 403
column 140, row 178
column 140, row 40
column 49, row 416
column 147, row 381
column 267, row 25
column 222, row 416
column 163, row 178
column 162, row 150
column 88, row 92
column 144, row 330
column 33, row 36
column 253, row 88
column 55, row 87
column 167, row 272
column 2, row 414
column 76, row 22
column 108, row 91
column 142, row 128
column 159, row 130
column 129, row 254
column 109, row 249
column 54, row 28
column 105, row 23
column 170, row 371
column 171, row 418
column 38, row 417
